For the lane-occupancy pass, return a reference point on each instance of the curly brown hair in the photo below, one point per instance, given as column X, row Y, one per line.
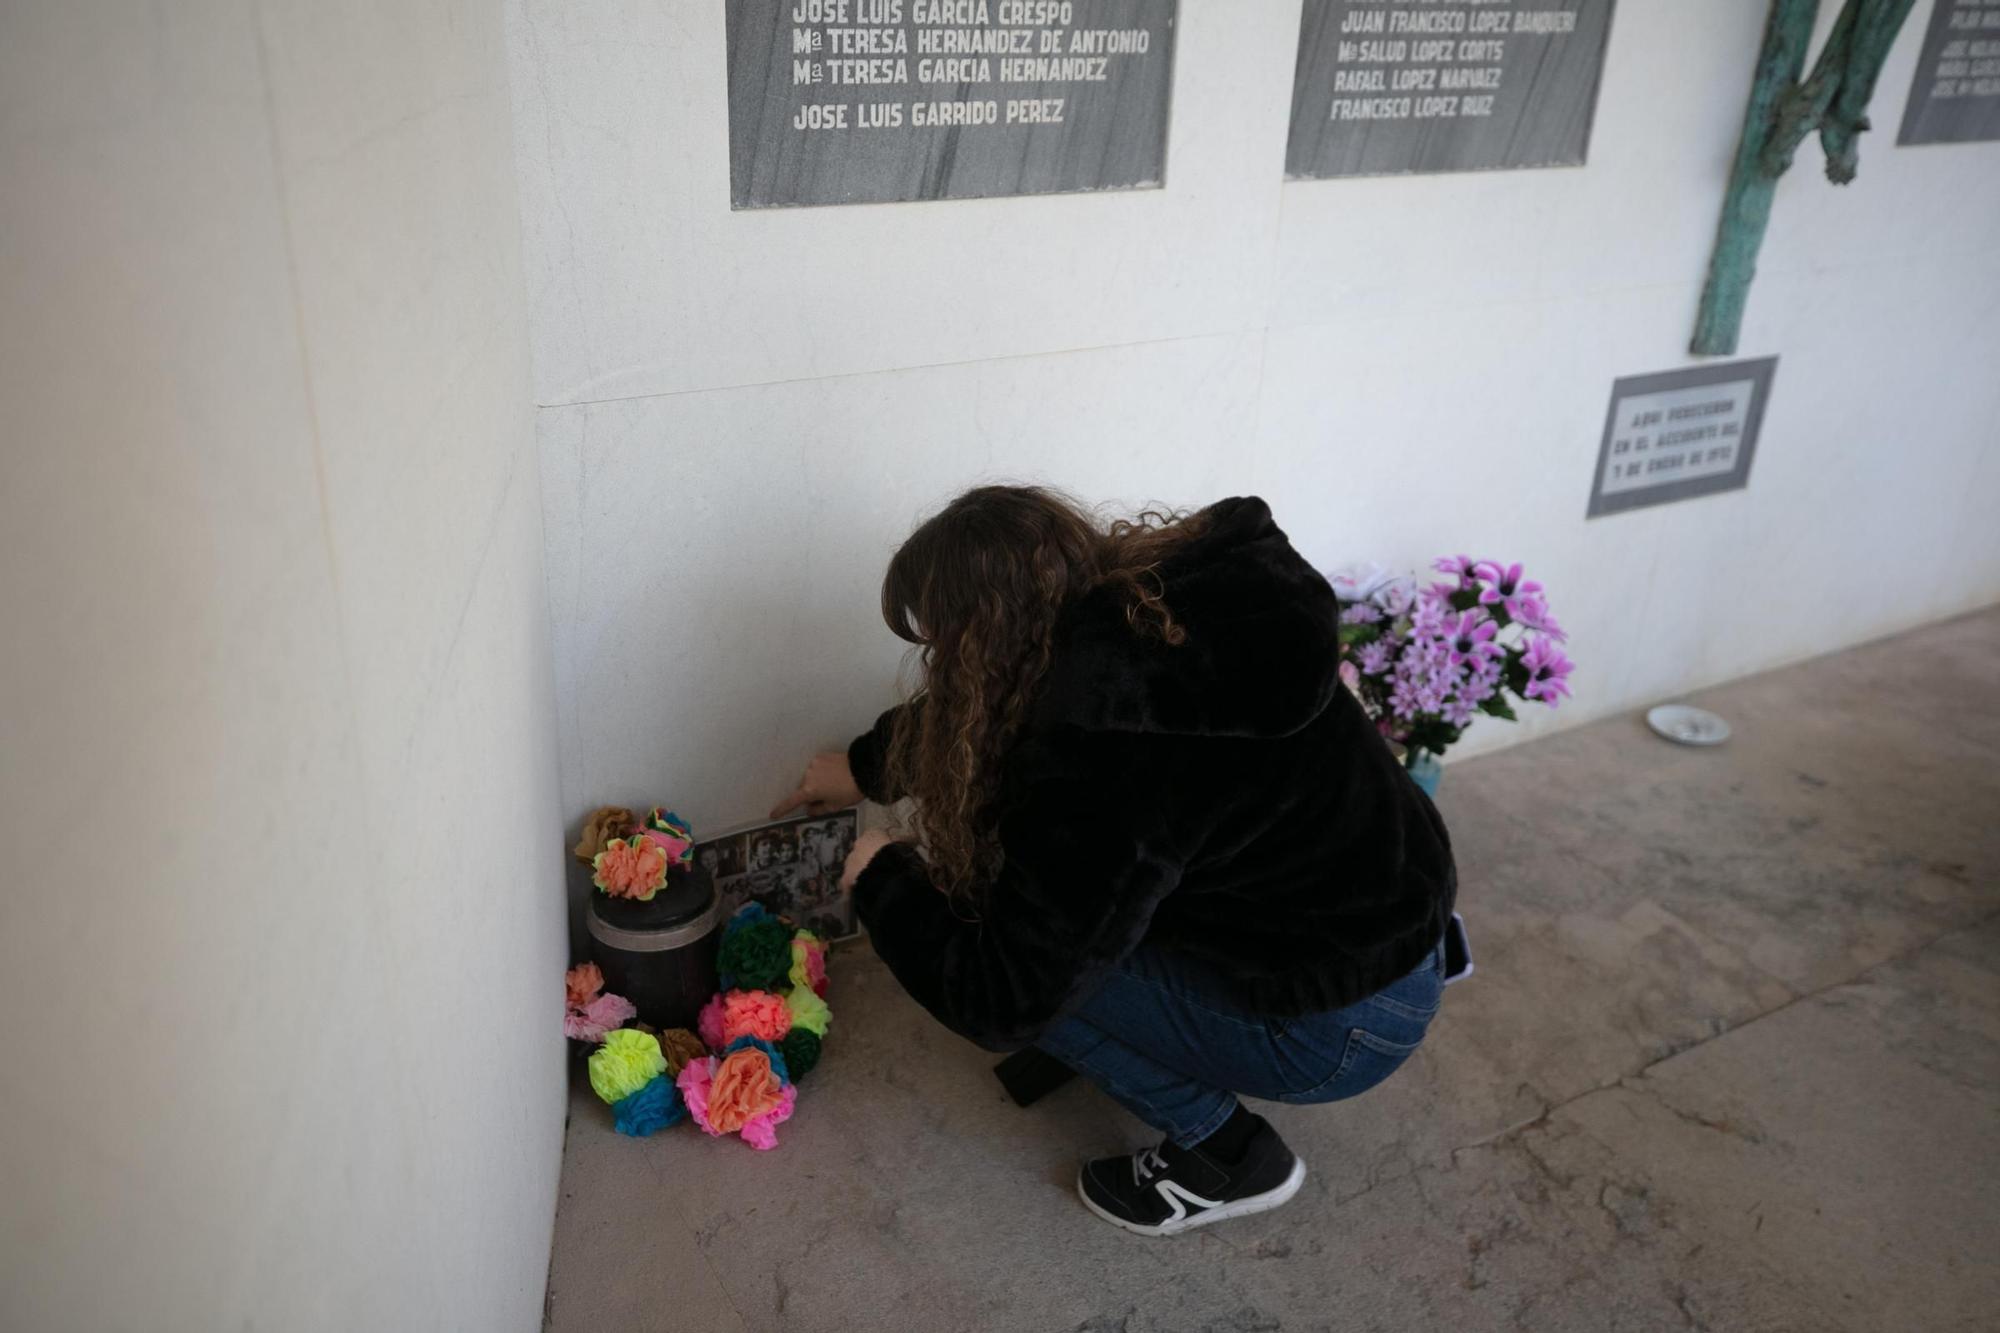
column 978, row 588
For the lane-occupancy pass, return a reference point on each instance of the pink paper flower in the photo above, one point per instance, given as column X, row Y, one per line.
column 694, row 1081
column 761, row 1132
column 708, row 1023
column 592, row 1021
column 611, row 1011
column 676, row 849
column 809, row 962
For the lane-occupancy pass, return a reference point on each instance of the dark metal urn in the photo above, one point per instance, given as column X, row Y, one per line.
column 660, row 954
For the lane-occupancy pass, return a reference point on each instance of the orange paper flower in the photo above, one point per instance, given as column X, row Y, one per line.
column 583, row 982
column 755, row 1013
column 630, row 868
column 745, row 1086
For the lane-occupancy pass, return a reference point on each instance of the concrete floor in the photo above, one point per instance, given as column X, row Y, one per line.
column 1731, row 1061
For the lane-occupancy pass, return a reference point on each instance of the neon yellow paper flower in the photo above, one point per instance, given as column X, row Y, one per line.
column 808, row 1010
column 627, row 1061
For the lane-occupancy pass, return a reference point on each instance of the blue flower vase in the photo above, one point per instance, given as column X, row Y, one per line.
column 1427, row 772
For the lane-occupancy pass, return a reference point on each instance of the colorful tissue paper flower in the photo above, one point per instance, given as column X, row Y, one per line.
column 679, row 1046
column 630, row 868
column 760, row 1014
column 807, row 1010
column 801, row 1049
column 808, row 962
column 708, row 1023
column 605, row 1014
column 582, row 983
column 720, row 1095
column 770, row 1050
column 755, row 955
column 612, row 821
column 693, row 1083
column 761, row 1132
column 650, row 1109
column 741, row 1013
column 747, row 915
column 678, row 850
column 743, row 1086
column 668, row 822
column 668, row 830
column 626, row 1062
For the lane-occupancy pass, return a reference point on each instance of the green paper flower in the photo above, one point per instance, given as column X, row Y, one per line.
column 757, row 956
column 800, row 1048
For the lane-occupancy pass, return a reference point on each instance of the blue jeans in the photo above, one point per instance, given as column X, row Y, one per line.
column 1162, row 1036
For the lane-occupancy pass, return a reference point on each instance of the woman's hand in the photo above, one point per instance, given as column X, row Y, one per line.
column 865, row 847
column 827, row 785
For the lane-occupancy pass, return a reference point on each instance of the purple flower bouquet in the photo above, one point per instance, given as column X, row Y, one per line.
column 1425, row 660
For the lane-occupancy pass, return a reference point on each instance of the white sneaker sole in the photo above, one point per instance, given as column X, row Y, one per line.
column 1255, row 1203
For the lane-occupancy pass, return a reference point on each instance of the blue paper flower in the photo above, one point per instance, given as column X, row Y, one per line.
column 650, row 1109
column 748, row 914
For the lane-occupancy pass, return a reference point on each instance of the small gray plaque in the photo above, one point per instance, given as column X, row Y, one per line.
column 1955, row 96
column 1391, row 86
column 1679, row 434
column 875, row 101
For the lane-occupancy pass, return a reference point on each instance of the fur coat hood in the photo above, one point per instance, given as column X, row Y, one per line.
column 1256, row 615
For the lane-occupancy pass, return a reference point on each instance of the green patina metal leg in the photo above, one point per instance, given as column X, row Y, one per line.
column 1842, row 123
column 1783, row 110
column 1746, row 207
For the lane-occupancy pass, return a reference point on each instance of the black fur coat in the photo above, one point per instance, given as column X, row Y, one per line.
column 1226, row 798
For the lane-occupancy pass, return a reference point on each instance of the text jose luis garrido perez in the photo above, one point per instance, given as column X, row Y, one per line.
column 862, row 44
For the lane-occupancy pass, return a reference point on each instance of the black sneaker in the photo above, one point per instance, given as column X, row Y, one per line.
column 1167, row 1189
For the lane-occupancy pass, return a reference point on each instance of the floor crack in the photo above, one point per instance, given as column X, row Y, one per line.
column 1627, row 1080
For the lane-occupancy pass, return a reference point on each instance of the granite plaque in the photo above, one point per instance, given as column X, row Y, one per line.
column 1679, row 434
column 1955, row 96
column 875, row 101
column 1392, row 86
